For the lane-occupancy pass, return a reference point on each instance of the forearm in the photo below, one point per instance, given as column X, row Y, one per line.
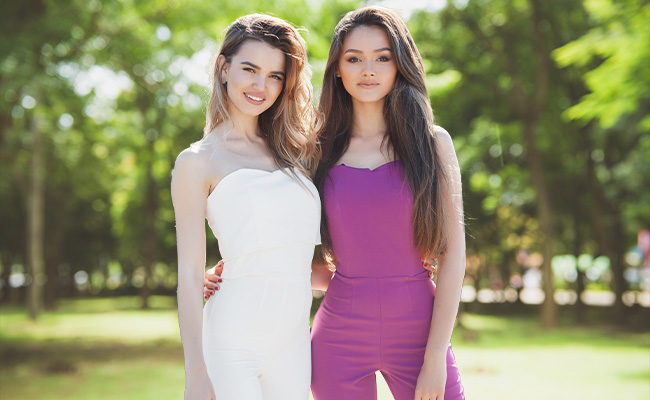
column 320, row 275
column 190, row 318
column 451, row 272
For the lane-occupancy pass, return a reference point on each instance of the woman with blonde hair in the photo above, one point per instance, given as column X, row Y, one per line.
column 249, row 177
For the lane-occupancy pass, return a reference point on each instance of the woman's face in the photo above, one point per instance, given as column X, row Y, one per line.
column 254, row 77
column 367, row 65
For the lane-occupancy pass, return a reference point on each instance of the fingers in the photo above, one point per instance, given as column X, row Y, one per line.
column 213, row 274
column 430, row 265
column 430, row 396
column 207, row 293
column 216, row 270
column 211, row 280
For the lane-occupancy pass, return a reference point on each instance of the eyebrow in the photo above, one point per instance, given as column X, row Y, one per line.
column 375, row 51
column 257, row 67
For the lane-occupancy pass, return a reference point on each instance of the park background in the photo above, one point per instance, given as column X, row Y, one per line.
column 548, row 106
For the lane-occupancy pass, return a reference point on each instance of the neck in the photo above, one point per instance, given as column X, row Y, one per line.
column 368, row 119
column 245, row 126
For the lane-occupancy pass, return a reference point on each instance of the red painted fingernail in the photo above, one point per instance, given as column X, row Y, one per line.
column 425, row 264
column 220, row 280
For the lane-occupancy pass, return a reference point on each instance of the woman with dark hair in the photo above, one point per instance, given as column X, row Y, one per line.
column 390, row 186
column 249, row 177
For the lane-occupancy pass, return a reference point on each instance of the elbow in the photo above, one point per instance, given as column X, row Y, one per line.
column 188, row 279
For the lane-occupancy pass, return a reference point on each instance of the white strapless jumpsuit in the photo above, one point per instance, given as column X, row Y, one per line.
column 256, row 342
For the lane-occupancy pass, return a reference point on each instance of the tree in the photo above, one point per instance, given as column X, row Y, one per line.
column 614, row 60
column 501, row 86
column 108, row 157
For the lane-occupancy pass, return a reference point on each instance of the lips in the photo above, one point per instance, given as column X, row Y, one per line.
column 254, row 98
column 368, row 84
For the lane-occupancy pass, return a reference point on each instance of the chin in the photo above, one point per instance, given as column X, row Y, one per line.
column 370, row 99
column 254, row 111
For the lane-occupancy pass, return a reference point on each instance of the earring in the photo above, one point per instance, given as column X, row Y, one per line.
column 223, row 80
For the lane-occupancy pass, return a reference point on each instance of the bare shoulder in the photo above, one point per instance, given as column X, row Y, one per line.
column 446, row 143
column 195, row 158
column 442, row 134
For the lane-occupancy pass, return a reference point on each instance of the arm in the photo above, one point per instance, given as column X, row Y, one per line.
column 321, row 275
column 451, row 271
column 189, row 194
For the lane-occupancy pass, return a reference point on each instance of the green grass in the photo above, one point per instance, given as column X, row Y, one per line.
column 92, row 349
column 512, row 358
column 109, row 349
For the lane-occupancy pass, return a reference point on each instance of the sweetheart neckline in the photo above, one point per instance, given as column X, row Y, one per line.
column 365, row 168
column 238, row 170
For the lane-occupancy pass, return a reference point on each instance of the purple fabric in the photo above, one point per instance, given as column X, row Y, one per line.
column 376, row 314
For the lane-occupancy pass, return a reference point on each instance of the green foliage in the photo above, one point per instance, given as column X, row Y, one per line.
column 119, row 88
column 620, row 47
column 597, row 183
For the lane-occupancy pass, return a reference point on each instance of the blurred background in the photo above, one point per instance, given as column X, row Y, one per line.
column 548, row 104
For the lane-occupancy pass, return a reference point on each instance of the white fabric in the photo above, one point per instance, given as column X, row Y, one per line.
column 256, row 341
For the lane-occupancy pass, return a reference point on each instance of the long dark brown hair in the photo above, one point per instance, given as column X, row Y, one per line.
column 287, row 126
column 409, row 123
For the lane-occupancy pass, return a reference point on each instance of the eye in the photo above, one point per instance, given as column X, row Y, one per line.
column 249, row 69
column 383, row 59
column 276, row 77
column 353, row 60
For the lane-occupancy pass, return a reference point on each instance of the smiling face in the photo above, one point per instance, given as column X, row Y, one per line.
column 366, row 65
column 254, row 78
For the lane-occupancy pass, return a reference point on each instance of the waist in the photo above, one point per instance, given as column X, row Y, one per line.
column 372, row 266
column 420, row 276
column 285, row 262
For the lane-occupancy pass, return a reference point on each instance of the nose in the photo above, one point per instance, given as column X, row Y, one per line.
column 259, row 82
column 368, row 71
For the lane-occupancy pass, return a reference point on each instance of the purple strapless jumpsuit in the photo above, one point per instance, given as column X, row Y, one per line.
column 376, row 314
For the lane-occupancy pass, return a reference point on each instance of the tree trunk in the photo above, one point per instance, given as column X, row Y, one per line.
column 549, row 308
column 617, row 264
column 35, row 223
column 577, row 250
column 6, row 289
column 608, row 232
column 54, row 256
column 149, row 241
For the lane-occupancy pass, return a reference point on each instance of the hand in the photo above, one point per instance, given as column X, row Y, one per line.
column 432, row 380
column 429, row 263
column 211, row 279
column 199, row 387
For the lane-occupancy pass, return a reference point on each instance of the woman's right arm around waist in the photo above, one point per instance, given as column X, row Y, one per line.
column 189, row 195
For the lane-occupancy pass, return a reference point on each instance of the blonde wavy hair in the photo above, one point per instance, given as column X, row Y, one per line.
column 288, row 125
